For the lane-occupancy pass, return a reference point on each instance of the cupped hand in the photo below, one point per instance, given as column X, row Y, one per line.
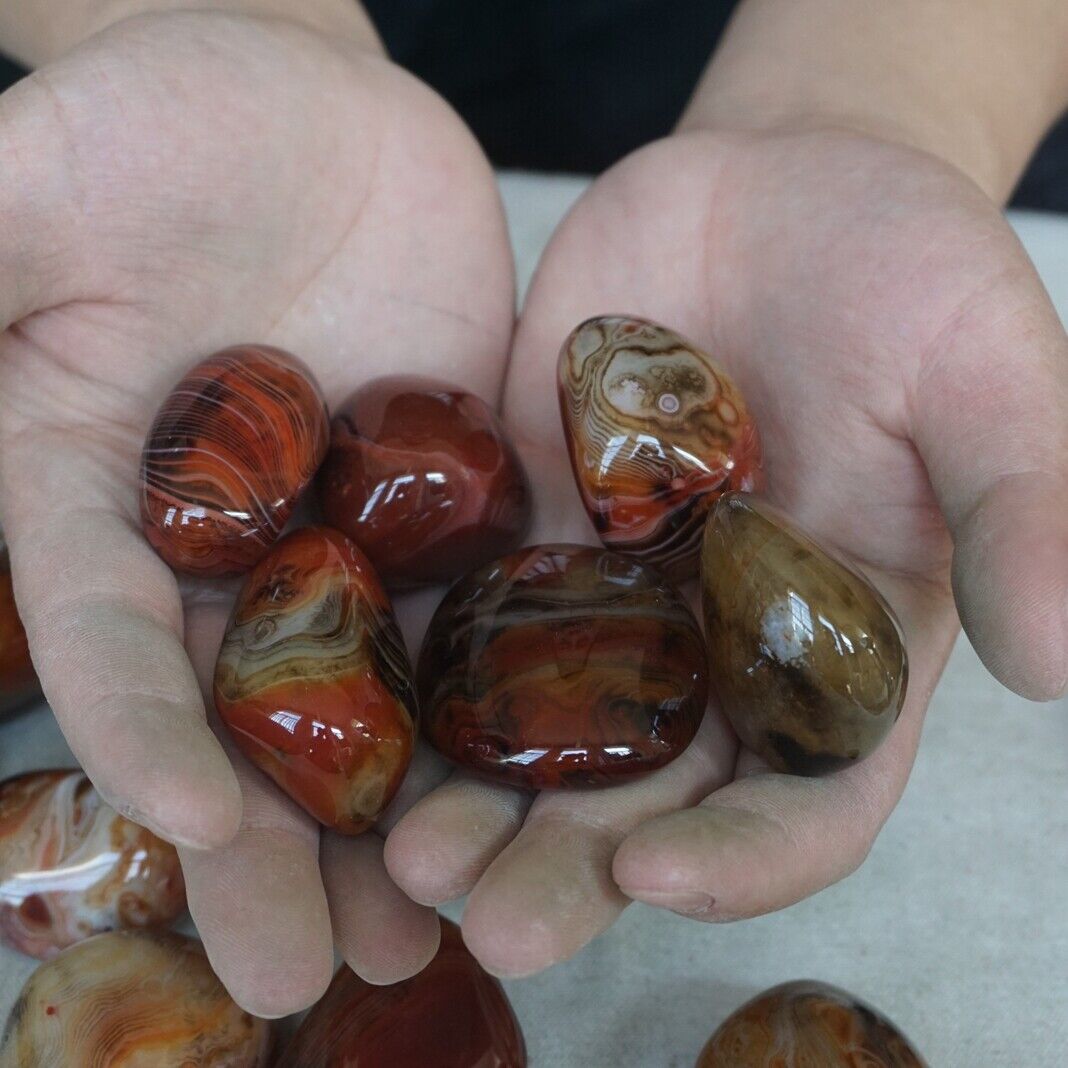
column 910, row 378
column 176, row 184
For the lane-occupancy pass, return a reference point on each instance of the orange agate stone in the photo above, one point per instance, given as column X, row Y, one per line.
column 313, row 679
column 656, row 431
column 230, row 452
column 18, row 680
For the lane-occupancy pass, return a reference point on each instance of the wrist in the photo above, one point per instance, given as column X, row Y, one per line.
column 964, row 80
column 37, row 31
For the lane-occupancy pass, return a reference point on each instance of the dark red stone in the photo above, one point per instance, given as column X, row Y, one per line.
column 18, row 680
column 422, row 477
column 563, row 665
column 451, row 1015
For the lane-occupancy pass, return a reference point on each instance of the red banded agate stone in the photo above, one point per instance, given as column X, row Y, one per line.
column 131, row 999
column 562, row 665
column 656, row 431
column 451, row 1015
column 71, row 866
column 805, row 1024
column 313, row 679
column 422, row 477
column 230, row 452
column 18, row 680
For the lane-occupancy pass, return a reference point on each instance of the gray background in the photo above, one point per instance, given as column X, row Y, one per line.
column 956, row 926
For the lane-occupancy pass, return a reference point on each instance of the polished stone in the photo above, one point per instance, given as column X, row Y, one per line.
column 313, row 679
column 229, row 454
column 421, row 475
column 656, row 431
column 72, row 867
column 451, row 1015
column 808, row 1025
column 563, row 665
column 18, row 680
column 807, row 659
column 131, row 1000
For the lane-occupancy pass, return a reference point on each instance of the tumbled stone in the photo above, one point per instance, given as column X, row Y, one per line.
column 422, row 476
column 563, row 665
column 807, row 659
column 656, row 431
column 18, row 680
column 72, row 867
column 131, row 998
column 451, row 1014
column 808, row 1025
column 313, row 679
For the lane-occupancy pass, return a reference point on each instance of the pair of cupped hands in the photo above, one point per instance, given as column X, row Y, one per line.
column 178, row 183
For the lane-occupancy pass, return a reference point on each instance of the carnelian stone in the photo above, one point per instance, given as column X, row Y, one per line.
column 563, row 665
column 230, row 452
column 422, row 477
column 452, row 1015
column 313, row 679
column 18, row 680
column 656, row 431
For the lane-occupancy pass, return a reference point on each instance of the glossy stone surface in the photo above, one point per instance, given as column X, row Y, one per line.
column 422, row 477
column 230, row 452
column 808, row 1025
column 71, row 866
column 18, row 680
column 451, row 1015
column 562, row 665
column 656, row 431
column 313, row 679
column 808, row 661
column 131, row 1000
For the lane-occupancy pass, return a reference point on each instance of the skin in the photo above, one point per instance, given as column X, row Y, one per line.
column 841, row 250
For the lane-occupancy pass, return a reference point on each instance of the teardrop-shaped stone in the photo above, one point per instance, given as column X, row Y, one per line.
column 131, row 998
column 452, row 1013
column 806, row 1024
column 807, row 659
column 656, row 430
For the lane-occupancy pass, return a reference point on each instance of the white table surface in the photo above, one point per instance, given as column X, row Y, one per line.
column 956, row 926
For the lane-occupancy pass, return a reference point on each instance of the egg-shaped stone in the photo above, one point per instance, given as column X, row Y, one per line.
column 807, row 659
column 229, row 453
column 140, row 999
column 807, row 1024
column 72, row 867
column 562, row 665
column 421, row 475
column 451, row 1014
column 656, row 431
column 313, row 679
column 18, row 680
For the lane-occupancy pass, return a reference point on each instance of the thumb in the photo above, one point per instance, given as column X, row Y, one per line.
column 992, row 426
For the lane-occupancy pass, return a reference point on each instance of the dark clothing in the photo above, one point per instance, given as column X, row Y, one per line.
column 573, row 85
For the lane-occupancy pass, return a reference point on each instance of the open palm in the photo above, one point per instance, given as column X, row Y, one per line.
column 177, row 184
column 910, row 379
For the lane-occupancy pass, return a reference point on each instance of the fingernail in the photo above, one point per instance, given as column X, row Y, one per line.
column 688, row 902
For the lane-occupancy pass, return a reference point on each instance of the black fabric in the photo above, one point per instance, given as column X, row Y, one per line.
column 573, row 85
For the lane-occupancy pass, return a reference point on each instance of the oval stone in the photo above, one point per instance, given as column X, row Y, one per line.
column 807, row 659
column 313, row 679
column 656, row 430
column 230, row 452
column 72, row 867
column 452, row 1013
column 421, row 475
column 563, row 665
column 805, row 1024
column 18, row 680
column 131, row 998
